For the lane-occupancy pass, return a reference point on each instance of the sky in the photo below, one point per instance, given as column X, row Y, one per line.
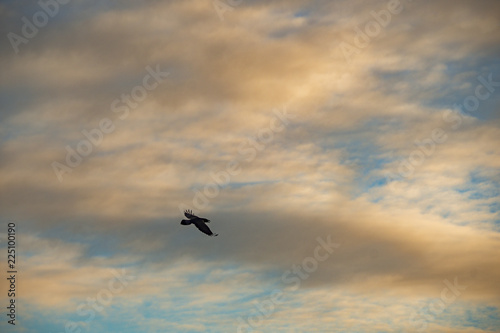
column 346, row 152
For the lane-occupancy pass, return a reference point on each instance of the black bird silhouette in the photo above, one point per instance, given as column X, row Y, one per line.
column 199, row 222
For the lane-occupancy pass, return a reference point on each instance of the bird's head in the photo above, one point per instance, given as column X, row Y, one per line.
column 206, row 220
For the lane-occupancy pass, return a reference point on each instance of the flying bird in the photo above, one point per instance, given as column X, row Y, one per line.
column 199, row 223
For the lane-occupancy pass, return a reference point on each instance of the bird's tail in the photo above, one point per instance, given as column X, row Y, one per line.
column 186, row 222
column 215, row 235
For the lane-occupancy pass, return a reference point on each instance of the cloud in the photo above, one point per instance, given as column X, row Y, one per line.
column 324, row 174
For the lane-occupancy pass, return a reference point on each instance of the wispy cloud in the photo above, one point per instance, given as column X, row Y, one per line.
column 335, row 169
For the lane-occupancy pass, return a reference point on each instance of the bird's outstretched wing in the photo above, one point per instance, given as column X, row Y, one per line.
column 204, row 228
column 189, row 214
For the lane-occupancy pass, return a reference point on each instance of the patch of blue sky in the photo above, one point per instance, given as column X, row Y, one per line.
column 462, row 314
column 157, row 310
column 483, row 194
column 370, row 179
column 42, row 322
column 461, row 84
column 366, row 157
column 478, row 176
column 290, row 30
column 494, row 207
column 482, row 317
column 355, row 151
column 60, row 232
column 249, row 298
column 16, row 100
column 94, row 245
column 473, row 66
column 120, row 322
column 183, row 309
column 302, row 13
column 489, row 109
column 197, row 278
column 98, row 248
column 481, row 186
column 239, row 185
column 486, row 109
column 391, row 80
